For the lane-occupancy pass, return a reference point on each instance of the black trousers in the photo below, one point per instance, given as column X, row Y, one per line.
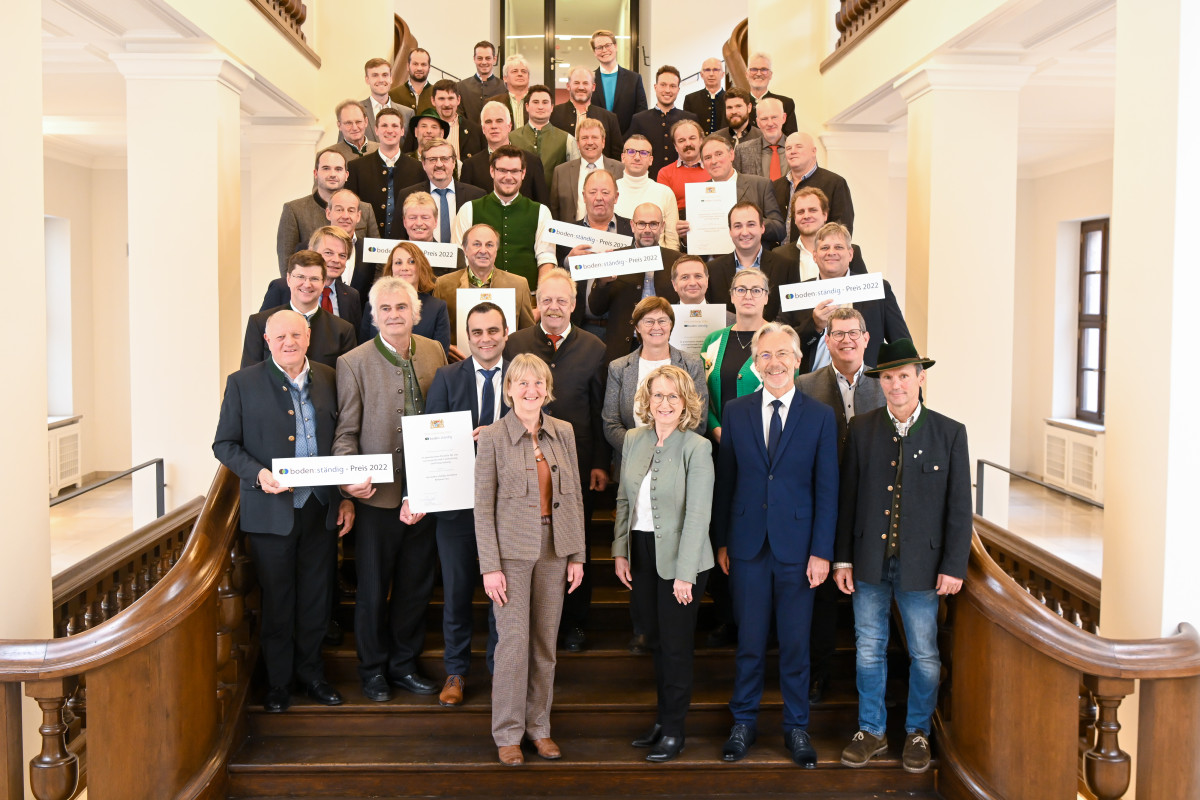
column 395, row 578
column 577, row 603
column 670, row 629
column 297, row 584
column 459, row 558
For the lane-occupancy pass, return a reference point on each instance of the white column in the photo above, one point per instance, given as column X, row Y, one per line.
column 25, row 579
column 280, row 160
column 185, row 331
column 962, row 208
column 862, row 158
column 1151, row 547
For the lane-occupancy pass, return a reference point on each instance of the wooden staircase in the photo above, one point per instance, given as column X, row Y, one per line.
column 604, row 697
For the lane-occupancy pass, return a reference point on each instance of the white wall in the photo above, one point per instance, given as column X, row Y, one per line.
column 1049, row 210
column 450, row 44
column 660, row 34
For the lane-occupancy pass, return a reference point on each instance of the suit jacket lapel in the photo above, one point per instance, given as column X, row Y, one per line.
column 468, row 368
column 629, row 383
column 756, row 422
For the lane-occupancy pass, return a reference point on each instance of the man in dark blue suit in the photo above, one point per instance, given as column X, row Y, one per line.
column 473, row 384
column 774, row 531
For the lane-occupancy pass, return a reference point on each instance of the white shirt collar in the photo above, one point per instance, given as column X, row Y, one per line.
column 300, row 379
column 904, row 427
column 769, row 398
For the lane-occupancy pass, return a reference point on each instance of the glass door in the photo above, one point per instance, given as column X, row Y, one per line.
column 555, row 35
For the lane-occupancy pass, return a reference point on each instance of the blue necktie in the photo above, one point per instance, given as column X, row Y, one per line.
column 444, row 213
column 391, row 202
column 487, row 409
column 775, row 431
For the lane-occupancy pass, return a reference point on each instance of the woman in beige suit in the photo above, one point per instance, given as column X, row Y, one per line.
column 529, row 530
column 660, row 545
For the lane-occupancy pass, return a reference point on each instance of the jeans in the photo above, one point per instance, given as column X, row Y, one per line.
column 918, row 611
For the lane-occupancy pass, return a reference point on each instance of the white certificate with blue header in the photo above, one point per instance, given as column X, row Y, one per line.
column 439, row 462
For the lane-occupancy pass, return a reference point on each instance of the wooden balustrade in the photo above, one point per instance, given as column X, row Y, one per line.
column 289, row 17
column 166, row 676
column 854, row 20
column 1029, row 685
column 735, row 51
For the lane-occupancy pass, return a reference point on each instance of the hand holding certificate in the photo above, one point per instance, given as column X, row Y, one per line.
column 439, row 460
column 708, row 207
column 849, row 289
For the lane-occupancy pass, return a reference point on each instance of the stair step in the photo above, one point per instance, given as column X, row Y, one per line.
column 318, row 766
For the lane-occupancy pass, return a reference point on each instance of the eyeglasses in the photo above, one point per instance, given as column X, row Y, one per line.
column 781, row 355
column 759, row 70
column 646, row 226
column 658, row 397
column 438, row 159
column 839, row 336
column 755, row 291
column 606, row 46
column 508, row 171
column 643, row 153
column 657, row 322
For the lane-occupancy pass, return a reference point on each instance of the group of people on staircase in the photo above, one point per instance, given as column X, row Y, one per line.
column 767, row 468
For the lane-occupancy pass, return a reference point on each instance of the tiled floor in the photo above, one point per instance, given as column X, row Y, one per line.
column 80, row 527
column 1066, row 527
column 1072, row 530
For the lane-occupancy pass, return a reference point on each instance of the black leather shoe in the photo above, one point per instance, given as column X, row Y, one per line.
column 416, row 683
column 800, row 746
column 376, row 688
column 574, row 640
column 741, row 736
column 323, row 693
column 816, row 690
column 667, row 748
column 333, row 634
column 649, row 738
column 638, row 645
column 724, row 635
column 277, row 700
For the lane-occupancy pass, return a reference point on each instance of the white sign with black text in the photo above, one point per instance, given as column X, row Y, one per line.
column 850, row 289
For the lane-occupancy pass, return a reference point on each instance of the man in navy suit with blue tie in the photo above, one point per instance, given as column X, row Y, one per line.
column 774, row 527
column 473, row 384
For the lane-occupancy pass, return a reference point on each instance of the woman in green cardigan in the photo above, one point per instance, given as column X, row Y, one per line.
column 728, row 362
column 661, row 547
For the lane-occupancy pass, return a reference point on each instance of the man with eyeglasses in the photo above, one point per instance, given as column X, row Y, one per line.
column 759, row 70
column 579, row 106
column 338, row 297
column 656, row 123
column 746, row 230
column 618, row 89
column 437, row 157
column 496, row 122
column 520, row 221
column 616, row 297
column 884, row 320
column 708, row 104
column 637, row 187
column 566, row 185
column 841, row 386
column 778, row 467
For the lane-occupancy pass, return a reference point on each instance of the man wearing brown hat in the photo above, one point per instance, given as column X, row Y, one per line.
column 904, row 533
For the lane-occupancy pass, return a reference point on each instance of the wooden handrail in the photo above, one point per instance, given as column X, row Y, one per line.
column 1026, row 686
column 735, row 53
column 1022, row 616
column 403, row 43
column 854, row 20
column 183, row 651
column 184, row 588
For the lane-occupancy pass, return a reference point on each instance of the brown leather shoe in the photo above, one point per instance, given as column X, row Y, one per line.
column 510, row 755
column 452, row 692
column 547, row 749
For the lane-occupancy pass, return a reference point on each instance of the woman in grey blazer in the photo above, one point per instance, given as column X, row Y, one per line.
column 653, row 322
column 660, row 539
column 529, row 531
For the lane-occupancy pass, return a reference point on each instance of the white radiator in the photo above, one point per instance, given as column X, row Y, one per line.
column 66, row 458
column 1074, row 457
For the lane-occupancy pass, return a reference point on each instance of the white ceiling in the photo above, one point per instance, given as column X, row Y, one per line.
column 1067, row 107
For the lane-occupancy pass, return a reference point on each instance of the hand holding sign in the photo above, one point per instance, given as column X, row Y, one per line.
column 832, row 291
